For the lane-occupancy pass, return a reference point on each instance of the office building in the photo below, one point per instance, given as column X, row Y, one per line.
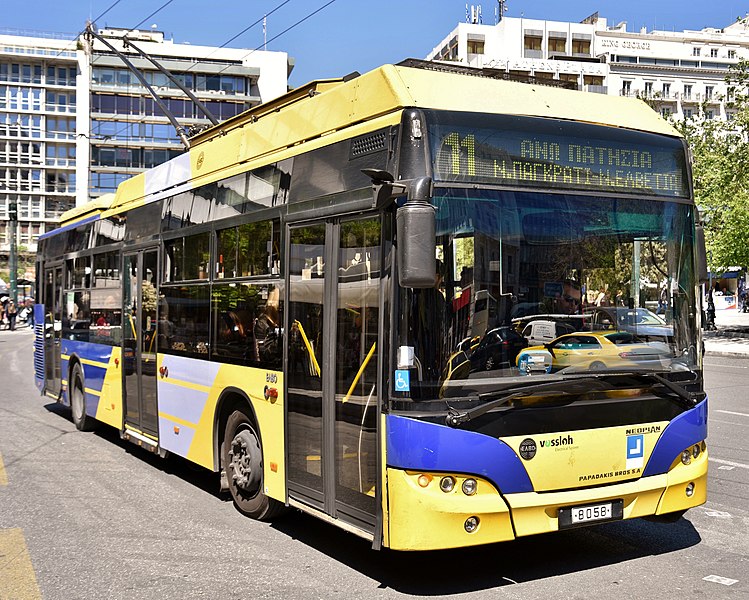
column 681, row 72
column 75, row 122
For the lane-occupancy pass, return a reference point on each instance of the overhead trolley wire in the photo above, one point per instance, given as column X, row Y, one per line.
column 77, row 35
column 163, row 6
column 275, row 37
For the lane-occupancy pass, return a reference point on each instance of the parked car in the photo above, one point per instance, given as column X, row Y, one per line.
column 594, row 351
column 641, row 322
column 498, row 348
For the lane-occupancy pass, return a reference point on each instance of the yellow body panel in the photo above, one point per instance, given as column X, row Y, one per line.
column 109, row 410
column 269, row 413
column 426, row 518
column 679, row 476
column 586, row 457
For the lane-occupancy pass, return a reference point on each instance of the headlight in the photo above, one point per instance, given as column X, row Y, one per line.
column 447, row 484
column 686, row 457
column 469, row 487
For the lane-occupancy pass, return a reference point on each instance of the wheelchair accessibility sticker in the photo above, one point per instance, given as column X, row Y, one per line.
column 402, row 380
column 635, row 451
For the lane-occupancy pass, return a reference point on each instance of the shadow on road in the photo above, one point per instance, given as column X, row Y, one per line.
column 448, row 571
column 485, row 567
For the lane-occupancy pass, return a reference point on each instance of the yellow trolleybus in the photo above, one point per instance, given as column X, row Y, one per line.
column 290, row 303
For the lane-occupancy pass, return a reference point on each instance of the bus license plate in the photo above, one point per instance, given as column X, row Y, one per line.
column 573, row 516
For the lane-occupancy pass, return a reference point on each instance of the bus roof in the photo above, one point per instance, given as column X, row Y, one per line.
column 327, row 111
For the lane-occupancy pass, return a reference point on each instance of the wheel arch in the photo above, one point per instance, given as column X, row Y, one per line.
column 231, row 399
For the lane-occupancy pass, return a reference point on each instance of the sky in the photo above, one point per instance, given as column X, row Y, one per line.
column 346, row 35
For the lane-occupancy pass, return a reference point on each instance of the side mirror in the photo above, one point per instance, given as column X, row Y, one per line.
column 416, row 231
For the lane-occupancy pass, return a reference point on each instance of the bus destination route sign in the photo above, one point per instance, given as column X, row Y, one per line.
column 528, row 158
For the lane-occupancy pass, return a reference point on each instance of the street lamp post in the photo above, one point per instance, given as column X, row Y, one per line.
column 13, row 216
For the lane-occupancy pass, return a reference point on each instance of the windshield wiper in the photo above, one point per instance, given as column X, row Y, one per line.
column 578, row 385
column 493, row 400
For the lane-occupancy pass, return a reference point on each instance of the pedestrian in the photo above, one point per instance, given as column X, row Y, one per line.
column 10, row 308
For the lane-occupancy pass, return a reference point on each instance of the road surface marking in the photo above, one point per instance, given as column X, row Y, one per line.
column 729, row 412
column 718, row 513
column 17, row 578
column 725, row 366
column 719, row 579
column 3, row 474
column 725, row 468
column 728, row 462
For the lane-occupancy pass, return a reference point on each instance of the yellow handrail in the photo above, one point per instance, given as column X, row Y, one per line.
column 309, row 348
column 359, row 374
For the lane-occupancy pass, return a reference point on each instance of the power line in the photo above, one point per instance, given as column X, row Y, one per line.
column 230, row 40
column 105, row 12
column 246, row 29
column 299, row 22
column 78, row 35
column 167, row 3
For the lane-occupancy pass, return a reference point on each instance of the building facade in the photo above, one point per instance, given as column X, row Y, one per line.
column 75, row 122
column 682, row 73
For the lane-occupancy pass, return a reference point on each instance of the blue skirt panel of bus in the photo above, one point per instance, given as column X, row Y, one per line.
column 39, row 333
column 421, row 446
column 93, row 375
column 684, row 431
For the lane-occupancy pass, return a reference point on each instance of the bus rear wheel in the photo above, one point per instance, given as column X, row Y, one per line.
column 81, row 420
column 243, row 463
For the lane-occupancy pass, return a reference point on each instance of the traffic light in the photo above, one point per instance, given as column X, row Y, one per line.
column 13, row 211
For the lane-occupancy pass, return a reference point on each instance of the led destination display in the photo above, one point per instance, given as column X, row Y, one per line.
column 524, row 151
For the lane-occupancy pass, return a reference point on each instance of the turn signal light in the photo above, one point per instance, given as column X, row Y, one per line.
column 424, row 480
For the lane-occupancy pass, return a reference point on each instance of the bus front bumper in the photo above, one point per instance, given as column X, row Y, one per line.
column 422, row 516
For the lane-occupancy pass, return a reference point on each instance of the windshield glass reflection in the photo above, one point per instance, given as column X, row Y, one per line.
column 531, row 284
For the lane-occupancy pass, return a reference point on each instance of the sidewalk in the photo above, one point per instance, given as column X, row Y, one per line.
column 732, row 336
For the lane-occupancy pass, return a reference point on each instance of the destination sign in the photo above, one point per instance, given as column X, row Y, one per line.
column 528, row 152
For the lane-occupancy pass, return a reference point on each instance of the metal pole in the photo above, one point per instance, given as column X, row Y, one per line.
column 13, row 214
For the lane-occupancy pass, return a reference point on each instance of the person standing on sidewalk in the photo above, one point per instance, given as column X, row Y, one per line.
column 10, row 308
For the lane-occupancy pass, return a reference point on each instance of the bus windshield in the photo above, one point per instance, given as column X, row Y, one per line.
column 533, row 284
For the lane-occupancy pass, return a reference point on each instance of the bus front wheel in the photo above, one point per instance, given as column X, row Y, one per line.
column 243, row 462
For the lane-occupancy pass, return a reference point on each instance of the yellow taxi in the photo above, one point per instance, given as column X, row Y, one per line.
column 593, row 351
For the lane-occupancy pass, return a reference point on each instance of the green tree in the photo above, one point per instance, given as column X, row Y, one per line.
column 720, row 151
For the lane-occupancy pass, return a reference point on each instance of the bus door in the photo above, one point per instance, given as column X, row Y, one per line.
column 140, row 299
column 332, row 364
column 52, row 329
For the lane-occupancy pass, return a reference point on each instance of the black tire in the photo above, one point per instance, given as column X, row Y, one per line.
column 78, row 400
column 242, row 457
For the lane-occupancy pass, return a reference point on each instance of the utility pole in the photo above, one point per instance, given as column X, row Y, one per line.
column 13, row 215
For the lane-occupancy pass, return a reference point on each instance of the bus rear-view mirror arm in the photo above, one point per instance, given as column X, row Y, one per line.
column 415, row 226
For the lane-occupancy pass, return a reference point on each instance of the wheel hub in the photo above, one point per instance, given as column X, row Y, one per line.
column 244, row 462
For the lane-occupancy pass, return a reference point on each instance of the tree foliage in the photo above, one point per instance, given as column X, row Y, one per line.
column 720, row 151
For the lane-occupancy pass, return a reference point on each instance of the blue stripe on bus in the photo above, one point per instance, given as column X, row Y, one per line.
column 684, row 431
column 68, row 227
column 93, row 374
column 422, row 446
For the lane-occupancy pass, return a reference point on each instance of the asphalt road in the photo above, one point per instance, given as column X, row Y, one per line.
column 85, row 515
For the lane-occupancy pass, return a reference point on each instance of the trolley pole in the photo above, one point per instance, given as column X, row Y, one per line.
column 13, row 215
